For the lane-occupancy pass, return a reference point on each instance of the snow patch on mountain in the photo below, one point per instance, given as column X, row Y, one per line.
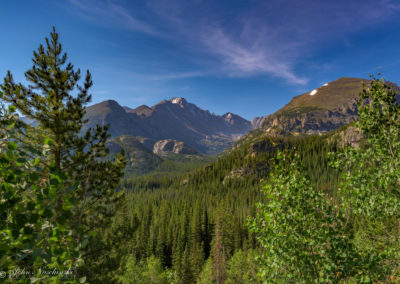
column 178, row 101
column 313, row 92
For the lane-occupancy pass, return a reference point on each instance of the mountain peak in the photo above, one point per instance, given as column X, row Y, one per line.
column 178, row 101
column 106, row 107
column 322, row 109
column 110, row 103
column 142, row 110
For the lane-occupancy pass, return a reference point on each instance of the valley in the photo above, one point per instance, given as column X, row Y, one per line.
column 175, row 135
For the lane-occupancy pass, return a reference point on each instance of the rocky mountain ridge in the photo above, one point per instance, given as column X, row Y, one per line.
column 174, row 119
column 318, row 111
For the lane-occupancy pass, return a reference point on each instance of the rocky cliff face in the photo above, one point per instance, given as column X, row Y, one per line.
column 311, row 122
column 321, row 110
column 167, row 146
column 257, row 122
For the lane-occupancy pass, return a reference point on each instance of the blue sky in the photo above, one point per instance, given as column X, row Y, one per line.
column 244, row 56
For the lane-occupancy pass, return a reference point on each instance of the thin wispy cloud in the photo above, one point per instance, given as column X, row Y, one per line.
column 270, row 38
column 126, row 74
column 179, row 75
column 110, row 11
column 240, row 60
column 243, row 53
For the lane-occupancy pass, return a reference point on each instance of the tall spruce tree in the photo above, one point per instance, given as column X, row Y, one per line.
column 49, row 100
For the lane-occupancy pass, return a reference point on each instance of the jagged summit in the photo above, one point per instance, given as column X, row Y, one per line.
column 142, row 110
column 105, row 107
column 179, row 101
column 175, row 119
column 110, row 103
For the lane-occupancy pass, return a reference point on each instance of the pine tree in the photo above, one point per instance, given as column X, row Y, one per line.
column 177, row 255
column 196, row 259
column 207, row 235
column 161, row 247
column 219, row 253
column 49, row 100
column 221, row 248
column 186, row 272
column 195, row 224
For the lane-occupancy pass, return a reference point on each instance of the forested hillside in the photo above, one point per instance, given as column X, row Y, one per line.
column 190, row 222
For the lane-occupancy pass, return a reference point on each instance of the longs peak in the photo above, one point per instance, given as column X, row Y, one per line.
column 171, row 119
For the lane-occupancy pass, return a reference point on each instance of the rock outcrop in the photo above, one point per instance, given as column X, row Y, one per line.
column 257, row 122
column 168, row 146
column 349, row 136
column 311, row 122
column 238, row 173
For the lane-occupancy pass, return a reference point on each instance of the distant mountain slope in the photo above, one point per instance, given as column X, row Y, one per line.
column 175, row 119
column 320, row 110
column 126, row 108
column 145, row 155
column 139, row 159
column 121, row 122
column 142, row 110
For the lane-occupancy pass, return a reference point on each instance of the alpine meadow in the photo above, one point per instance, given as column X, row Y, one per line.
column 121, row 174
